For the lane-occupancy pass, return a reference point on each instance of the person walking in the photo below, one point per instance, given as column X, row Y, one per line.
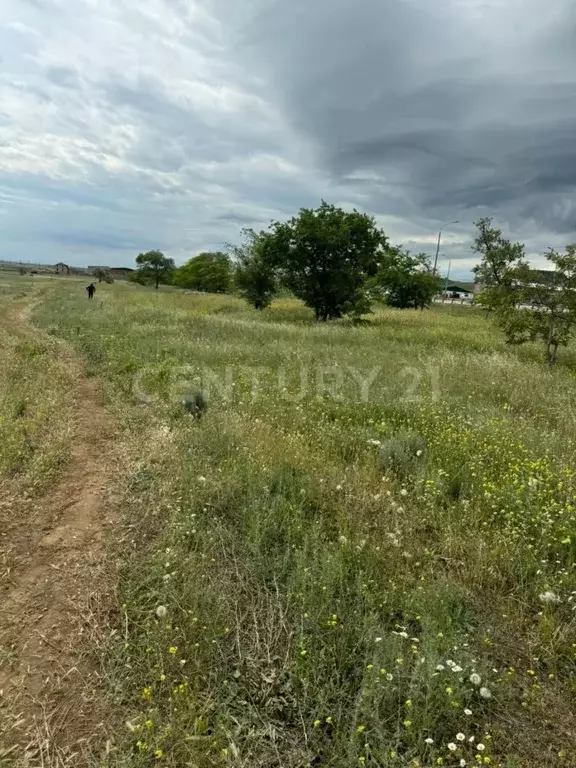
column 91, row 290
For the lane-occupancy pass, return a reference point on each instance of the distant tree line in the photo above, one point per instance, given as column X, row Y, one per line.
column 338, row 263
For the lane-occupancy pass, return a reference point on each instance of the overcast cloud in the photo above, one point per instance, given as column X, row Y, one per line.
column 171, row 124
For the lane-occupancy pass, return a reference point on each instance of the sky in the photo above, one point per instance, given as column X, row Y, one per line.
column 128, row 125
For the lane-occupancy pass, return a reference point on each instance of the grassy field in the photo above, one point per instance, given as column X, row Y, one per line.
column 362, row 554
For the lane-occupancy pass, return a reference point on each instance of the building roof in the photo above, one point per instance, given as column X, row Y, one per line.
column 462, row 287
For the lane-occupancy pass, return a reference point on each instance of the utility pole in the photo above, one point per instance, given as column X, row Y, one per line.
column 438, row 244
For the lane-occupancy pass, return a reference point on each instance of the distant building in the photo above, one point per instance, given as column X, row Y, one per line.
column 114, row 271
column 459, row 291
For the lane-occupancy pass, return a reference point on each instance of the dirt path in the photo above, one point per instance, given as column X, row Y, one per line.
column 51, row 713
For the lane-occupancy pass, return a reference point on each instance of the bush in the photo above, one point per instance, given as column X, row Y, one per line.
column 404, row 455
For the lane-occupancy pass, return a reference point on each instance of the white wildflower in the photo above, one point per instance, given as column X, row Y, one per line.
column 456, row 668
column 343, row 540
column 452, row 747
column 429, row 740
column 460, row 737
column 468, row 712
column 377, row 639
column 403, row 492
column 374, row 442
column 201, row 479
column 485, row 693
column 480, row 747
column 338, row 487
column 549, row 597
column 161, row 611
column 462, row 763
column 440, row 667
column 475, row 678
column 419, row 453
column 389, row 677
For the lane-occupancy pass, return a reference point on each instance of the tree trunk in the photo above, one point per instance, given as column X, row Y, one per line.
column 157, row 280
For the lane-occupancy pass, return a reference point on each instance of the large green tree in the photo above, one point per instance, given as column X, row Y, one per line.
column 153, row 265
column 407, row 281
column 209, row 271
column 325, row 256
column 254, row 276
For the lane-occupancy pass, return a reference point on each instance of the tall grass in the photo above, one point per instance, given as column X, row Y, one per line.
column 332, row 575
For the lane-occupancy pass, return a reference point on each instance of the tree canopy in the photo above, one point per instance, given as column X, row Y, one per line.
column 254, row 277
column 498, row 255
column 209, row 271
column 153, row 265
column 407, row 281
column 325, row 256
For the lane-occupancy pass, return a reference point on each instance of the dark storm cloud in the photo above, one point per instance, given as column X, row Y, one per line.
column 179, row 121
column 461, row 107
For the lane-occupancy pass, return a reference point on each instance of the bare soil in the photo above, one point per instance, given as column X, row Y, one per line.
column 56, row 595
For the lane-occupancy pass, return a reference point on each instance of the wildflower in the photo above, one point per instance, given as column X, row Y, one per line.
column 450, row 663
column 338, row 487
column 440, row 667
column 343, row 540
column 549, row 597
column 158, row 754
column 462, row 763
column 439, row 761
column 317, row 723
column 468, row 712
column 460, row 737
column 374, row 442
column 162, row 676
column 429, row 740
column 329, row 720
column 389, row 677
column 303, row 652
column 377, row 639
column 147, row 693
column 452, row 747
column 480, row 747
column 456, row 668
column 408, row 703
column 361, row 729
column 485, row 693
column 201, row 479
column 475, row 678
column 161, row 611
column 449, row 691
column 172, row 650
column 407, row 723
column 418, row 453
column 403, row 492
column 148, row 724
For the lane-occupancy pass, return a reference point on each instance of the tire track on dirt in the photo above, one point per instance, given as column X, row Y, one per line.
column 52, row 712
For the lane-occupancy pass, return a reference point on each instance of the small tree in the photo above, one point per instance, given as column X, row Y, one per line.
column 153, row 265
column 254, row 277
column 101, row 274
column 498, row 255
column 210, row 272
column 540, row 306
column 407, row 281
column 324, row 256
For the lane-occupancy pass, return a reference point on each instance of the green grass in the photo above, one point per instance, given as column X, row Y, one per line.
column 328, row 593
